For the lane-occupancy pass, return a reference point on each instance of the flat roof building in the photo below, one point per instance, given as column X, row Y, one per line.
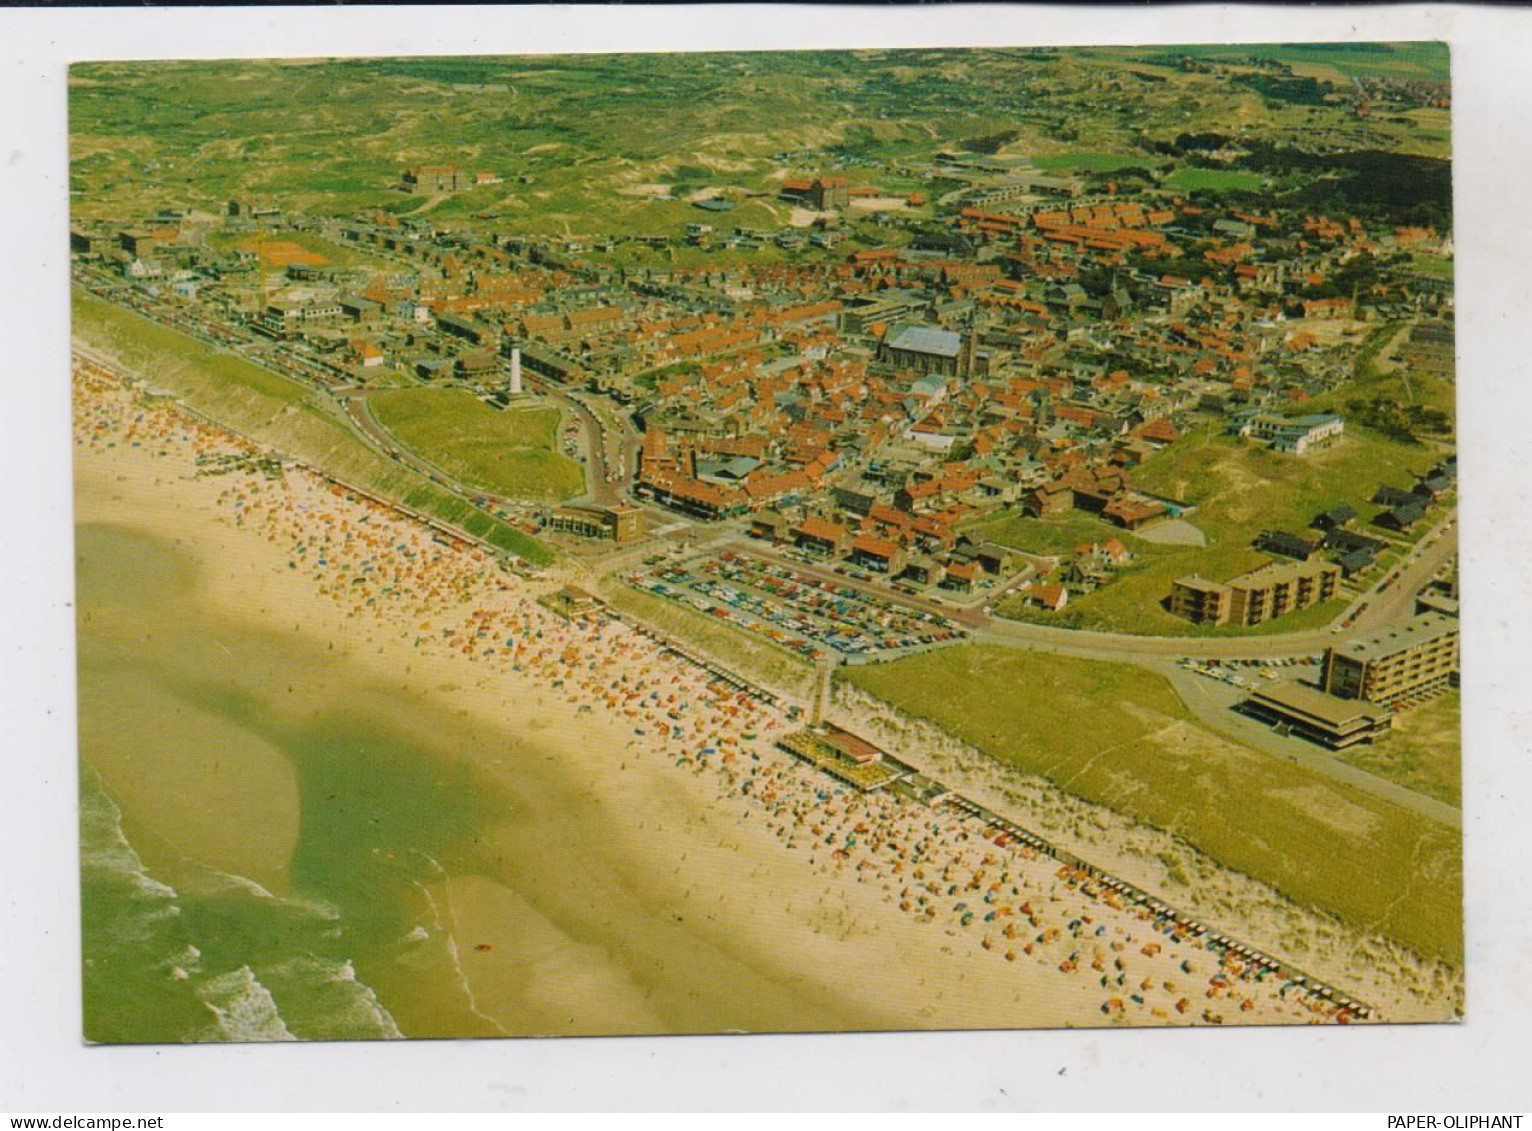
column 1263, row 594
column 621, row 523
column 1296, row 708
column 1396, row 667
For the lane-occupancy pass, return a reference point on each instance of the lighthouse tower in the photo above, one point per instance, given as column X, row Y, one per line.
column 515, row 371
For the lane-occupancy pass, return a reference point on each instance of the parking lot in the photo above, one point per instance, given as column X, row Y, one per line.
column 1253, row 673
column 804, row 614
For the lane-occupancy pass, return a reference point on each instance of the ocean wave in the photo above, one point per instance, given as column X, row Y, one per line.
column 215, row 881
column 244, row 1009
column 104, row 847
column 181, row 966
column 326, row 1001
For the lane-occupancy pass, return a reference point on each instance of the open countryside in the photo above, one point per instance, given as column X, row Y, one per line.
column 604, row 545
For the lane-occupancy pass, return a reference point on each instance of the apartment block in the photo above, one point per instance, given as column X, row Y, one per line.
column 1253, row 598
column 1396, row 667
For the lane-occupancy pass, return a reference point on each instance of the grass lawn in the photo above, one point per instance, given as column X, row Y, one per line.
column 1187, row 179
column 1097, row 606
column 1424, row 751
column 273, row 410
column 1432, row 266
column 748, row 655
column 1377, row 377
column 1117, row 735
column 1091, row 162
column 1056, row 535
column 512, row 452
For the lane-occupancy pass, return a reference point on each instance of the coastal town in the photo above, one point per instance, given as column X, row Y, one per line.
column 872, row 417
column 813, row 432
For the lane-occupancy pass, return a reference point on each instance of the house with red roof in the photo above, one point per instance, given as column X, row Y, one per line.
column 1047, row 595
column 872, row 552
column 821, row 536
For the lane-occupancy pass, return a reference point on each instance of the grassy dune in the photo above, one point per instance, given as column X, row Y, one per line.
column 1423, row 752
column 1240, row 488
column 1321, row 843
column 275, row 411
column 513, row 453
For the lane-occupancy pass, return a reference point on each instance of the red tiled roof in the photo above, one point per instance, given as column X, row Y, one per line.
column 821, row 529
column 875, row 546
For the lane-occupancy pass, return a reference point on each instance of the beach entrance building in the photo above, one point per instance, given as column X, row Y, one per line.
column 846, row 756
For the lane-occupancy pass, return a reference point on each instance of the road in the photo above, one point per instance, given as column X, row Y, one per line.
column 1385, row 602
column 608, row 458
column 1390, row 599
column 1382, row 606
column 1212, row 702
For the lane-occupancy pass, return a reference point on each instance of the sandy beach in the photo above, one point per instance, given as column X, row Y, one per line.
column 633, row 854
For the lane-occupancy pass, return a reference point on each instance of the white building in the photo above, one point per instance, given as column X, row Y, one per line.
column 1293, row 434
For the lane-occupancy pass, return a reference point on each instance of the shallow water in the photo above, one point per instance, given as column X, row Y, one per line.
column 175, row 948
column 263, row 826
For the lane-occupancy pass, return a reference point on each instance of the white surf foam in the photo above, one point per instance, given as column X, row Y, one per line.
column 244, row 1009
column 326, row 1001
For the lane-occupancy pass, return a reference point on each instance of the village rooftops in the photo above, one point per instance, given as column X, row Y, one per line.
column 821, row 529
column 877, row 547
column 1418, row 630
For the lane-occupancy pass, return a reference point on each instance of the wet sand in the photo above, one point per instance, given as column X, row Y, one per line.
column 610, row 853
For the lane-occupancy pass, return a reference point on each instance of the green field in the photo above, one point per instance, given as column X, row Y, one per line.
column 1215, row 180
column 1239, row 488
column 272, row 410
column 511, row 452
column 1091, row 162
column 1058, row 535
column 1374, row 377
column 1419, row 60
column 750, row 656
column 1424, row 751
column 1322, row 844
column 1432, row 266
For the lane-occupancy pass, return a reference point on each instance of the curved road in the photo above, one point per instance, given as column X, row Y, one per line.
column 1382, row 606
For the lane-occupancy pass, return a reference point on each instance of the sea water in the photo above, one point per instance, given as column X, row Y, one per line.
column 182, row 950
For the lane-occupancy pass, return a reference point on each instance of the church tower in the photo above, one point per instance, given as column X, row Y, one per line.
column 966, row 351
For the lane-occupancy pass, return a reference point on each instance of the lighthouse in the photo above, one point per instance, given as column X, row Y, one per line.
column 515, row 371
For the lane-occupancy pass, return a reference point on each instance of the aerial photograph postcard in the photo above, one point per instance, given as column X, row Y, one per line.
column 762, row 542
